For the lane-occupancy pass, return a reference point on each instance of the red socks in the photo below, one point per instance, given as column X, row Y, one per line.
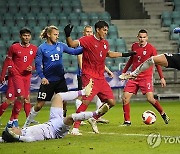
column 27, row 108
column 126, row 109
column 3, row 107
column 16, row 109
column 158, row 107
column 81, row 108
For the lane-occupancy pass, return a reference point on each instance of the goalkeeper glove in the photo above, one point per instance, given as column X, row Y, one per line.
column 68, row 30
column 127, row 54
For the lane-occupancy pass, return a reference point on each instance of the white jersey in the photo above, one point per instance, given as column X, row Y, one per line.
column 53, row 129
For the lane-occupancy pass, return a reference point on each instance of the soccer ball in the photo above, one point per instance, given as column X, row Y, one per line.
column 149, row 117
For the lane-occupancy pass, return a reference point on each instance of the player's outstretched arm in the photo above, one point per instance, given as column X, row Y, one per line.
column 67, row 30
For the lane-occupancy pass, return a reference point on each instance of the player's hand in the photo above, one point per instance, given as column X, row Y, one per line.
column 29, row 68
column 163, row 83
column 68, row 30
column 127, row 54
column 44, row 81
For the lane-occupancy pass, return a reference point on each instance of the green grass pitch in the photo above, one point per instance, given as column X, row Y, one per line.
column 112, row 139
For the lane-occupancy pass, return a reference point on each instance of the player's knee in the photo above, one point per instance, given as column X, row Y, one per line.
column 38, row 106
column 111, row 103
column 125, row 100
column 21, row 98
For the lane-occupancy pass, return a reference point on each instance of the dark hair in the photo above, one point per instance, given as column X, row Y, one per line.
column 24, row 30
column 100, row 24
column 142, row 31
column 7, row 137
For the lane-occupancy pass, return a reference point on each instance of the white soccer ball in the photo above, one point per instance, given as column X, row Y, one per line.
column 149, row 117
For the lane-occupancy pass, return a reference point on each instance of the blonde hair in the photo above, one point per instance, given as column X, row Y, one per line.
column 46, row 30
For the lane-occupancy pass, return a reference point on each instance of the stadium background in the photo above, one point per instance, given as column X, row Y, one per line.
column 125, row 18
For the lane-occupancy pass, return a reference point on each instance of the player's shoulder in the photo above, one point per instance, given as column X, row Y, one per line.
column 151, row 46
column 33, row 46
column 135, row 44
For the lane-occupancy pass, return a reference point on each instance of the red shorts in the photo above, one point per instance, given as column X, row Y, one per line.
column 144, row 84
column 18, row 86
column 101, row 88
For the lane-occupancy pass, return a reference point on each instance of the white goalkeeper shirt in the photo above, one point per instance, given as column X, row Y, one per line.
column 53, row 129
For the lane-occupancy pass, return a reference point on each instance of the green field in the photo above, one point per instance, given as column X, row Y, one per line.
column 112, row 139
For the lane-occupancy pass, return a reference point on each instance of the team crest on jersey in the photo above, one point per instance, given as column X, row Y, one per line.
column 144, row 52
column 105, row 46
column 58, row 48
column 31, row 52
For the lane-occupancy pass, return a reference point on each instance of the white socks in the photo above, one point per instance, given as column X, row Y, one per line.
column 78, row 103
column 82, row 116
column 71, row 95
column 149, row 62
column 98, row 102
column 31, row 117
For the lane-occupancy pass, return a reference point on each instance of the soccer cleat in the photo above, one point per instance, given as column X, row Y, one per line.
column 88, row 88
column 103, row 109
column 93, row 124
column 101, row 120
column 75, row 131
column 9, row 124
column 34, row 122
column 1, row 140
column 15, row 123
column 126, row 123
column 126, row 76
column 165, row 118
column 83, row 123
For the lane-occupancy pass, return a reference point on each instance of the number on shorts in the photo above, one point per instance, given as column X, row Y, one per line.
column 42, row 95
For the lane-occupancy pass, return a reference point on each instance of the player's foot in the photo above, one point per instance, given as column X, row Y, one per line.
column 88, row 88
column 126, row 123
column 15, row 123
column 83, row 123
column 9, row 124
column 101, row 120
column 165, row 118
column 1, row 140
column 103, row 109
column 126, row 76
column 34, row 122
column 93, row 124
column 75, row 131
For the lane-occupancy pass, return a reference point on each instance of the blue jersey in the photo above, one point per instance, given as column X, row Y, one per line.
column 49, row 60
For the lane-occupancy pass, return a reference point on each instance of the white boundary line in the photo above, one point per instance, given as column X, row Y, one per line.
column 111, row 133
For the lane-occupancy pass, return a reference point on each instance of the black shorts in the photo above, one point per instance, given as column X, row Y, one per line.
column 79, row 82
column 46, row 92
column 173, row 60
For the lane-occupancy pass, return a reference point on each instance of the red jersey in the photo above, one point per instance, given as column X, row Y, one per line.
column 143, row 53
column 21, row 57
column 94, row 55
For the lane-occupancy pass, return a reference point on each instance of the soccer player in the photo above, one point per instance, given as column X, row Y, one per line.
column 57, row 126
column 18, row 63
column 144, row 81
column 88, row 30
column 167, row 60
column 95, row 50
column 49, row 67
